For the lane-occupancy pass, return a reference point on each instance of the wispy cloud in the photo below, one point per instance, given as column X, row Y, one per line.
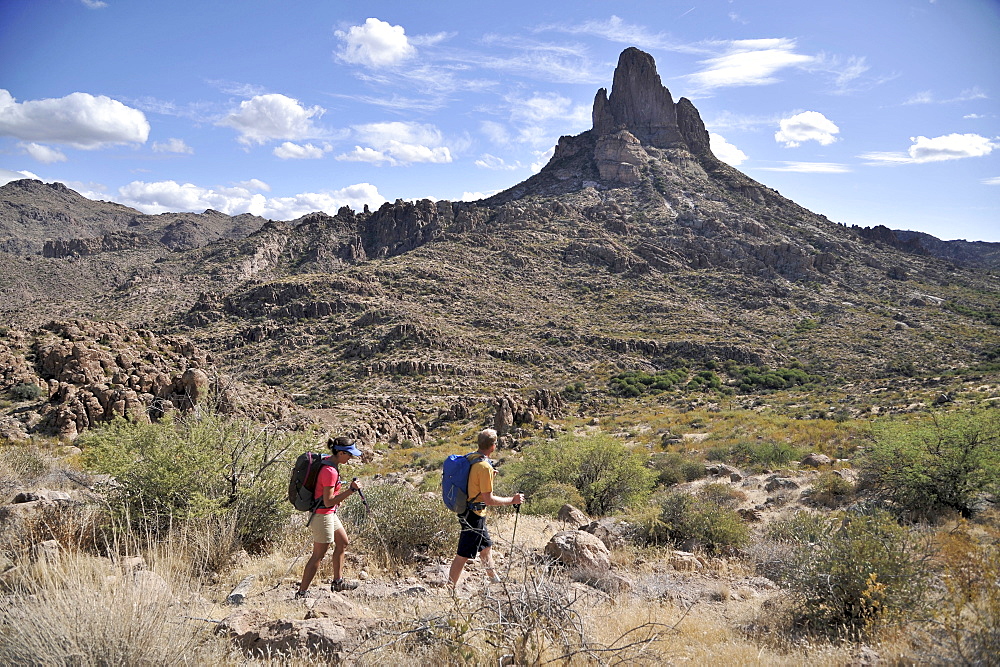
column 614, row 29
column 811, row 168
column 928, row 97
column 748, row 62
column 936, row 149
column 991, row 181
column 172, row 145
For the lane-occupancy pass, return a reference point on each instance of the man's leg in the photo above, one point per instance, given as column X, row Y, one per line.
column 486, row 556
column 457, row 565
column 309, row 571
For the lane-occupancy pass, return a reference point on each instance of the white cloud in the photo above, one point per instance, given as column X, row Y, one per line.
column 167, row 196
column 290, row 151
column 936, row 149
column 806, row 126
column 42, row 153
column 375, row 44
column 542, row 159
column 476, row 196
column 79, row 120
column 811, row 168
column 615, row 29
column 6, row 176
column 725, row 151
column 254, row 184
column 398, row 143
column 172, row 145
column 992, row 181
column 94, row 4
column 749, row 62
column 270, row 117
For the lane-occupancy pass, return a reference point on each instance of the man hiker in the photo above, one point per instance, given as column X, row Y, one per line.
column 325, row 525
column 475, row 538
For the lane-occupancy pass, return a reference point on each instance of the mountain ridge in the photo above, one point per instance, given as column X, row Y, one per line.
column 618, row 256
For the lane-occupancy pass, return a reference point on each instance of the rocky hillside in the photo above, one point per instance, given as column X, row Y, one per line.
column 633, row 249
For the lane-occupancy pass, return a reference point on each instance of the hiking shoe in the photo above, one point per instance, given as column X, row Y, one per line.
column 301, row 595
column 343, row 585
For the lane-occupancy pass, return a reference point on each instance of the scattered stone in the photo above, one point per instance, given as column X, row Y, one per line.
column 572, row 515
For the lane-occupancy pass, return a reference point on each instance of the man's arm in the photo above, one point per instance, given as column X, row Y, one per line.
column 488, row 498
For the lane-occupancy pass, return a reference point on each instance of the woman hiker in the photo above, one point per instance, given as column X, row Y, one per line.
column 325, row 525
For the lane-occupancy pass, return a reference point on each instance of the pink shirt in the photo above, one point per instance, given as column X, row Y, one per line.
column 328, row 476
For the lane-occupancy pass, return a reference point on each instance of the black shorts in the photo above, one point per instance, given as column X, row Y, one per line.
column 475, row 537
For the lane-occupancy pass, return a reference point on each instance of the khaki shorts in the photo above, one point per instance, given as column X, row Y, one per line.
column 323, row 526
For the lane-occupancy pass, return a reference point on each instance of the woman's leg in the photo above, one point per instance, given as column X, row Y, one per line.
column 340, row 542
column 309, row 571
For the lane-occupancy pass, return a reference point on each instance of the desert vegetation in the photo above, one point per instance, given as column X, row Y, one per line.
column 724, row 546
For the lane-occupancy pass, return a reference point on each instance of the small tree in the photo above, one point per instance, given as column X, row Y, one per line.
column 200, row 466
column 941, row 462
column 607, row 474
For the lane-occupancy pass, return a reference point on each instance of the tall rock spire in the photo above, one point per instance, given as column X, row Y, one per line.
column 641, row 104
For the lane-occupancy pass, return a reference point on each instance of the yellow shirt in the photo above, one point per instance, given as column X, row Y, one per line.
column 480, row 482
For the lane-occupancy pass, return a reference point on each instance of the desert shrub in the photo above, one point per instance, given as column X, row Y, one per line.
column 550, row 498
column 399, row 523
column 607, row 474
column 675, row 468
column 858, row 573
column 199, row 466
column 944, row 461
column 695, row 521
column 722, row 495
column 831, row 490
column 83, row 611
column 965, row 629
column 636, row 383
column 26, row 391
column 756, row 455
column 750, row 379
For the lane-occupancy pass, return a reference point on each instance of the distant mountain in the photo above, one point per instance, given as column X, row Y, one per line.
column 51, row 219
column 633, row 249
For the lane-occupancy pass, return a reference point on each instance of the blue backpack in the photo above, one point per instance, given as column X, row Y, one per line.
column 455, row 480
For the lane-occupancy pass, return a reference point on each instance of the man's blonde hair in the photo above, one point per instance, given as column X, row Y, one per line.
column 486, row 438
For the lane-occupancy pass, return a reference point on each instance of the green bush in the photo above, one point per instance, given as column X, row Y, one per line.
column 945, row 461
column 675, row 468
column 696, row 521
column 26, row 391
column 636, row 383
column 607, row 474
column 831, row 490
column 196, row 467
column 858, row 574
column 399, row 524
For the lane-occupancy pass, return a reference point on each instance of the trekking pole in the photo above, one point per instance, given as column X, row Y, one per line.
column 513, row 534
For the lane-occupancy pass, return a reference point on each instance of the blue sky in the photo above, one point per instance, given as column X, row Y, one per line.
column 870, row 113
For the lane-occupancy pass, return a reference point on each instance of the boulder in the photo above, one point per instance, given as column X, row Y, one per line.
column 571, row 515
column 815, row 460
column 579, row 549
